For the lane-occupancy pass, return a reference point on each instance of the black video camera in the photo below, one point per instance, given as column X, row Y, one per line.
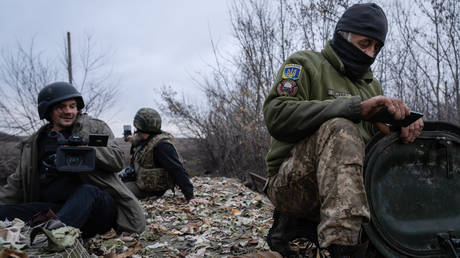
column 71, row 156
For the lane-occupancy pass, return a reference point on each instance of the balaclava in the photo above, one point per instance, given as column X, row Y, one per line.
column 364, row 19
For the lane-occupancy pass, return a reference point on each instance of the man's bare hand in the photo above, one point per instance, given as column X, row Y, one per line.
column 396, row 107
column 410, row 133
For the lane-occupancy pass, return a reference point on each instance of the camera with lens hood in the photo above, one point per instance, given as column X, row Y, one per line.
column 74, row 154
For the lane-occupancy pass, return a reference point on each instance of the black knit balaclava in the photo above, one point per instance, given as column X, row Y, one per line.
column 364, row 19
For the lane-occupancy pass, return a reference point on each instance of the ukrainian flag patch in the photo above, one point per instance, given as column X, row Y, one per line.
column 291, row 71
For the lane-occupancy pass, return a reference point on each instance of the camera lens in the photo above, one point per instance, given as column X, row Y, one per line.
column 73, row 160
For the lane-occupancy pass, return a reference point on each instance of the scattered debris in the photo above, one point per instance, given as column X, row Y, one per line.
column 10, row 234
column 232, row 222
column 20, row 240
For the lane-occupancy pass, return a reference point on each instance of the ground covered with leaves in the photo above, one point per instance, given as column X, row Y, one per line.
column 233, row 221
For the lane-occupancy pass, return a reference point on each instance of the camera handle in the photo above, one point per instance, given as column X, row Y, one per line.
column 61, row 140
column 72, row 140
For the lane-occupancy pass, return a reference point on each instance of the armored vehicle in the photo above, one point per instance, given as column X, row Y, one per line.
column 414, row 193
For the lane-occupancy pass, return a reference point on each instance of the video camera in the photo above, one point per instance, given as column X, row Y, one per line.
column 71, row 156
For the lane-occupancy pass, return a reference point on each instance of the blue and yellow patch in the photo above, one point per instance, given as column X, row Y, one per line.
column 291, row 71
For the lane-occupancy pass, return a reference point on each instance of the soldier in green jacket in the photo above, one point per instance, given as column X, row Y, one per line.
column 317, row 113
column 94, row 201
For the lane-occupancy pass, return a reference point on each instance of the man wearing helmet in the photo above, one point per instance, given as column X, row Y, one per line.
column 318, row 113
column 155, row 164
column 93, row 202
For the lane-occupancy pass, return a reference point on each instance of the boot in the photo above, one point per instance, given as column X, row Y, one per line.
column 286, row 228
column 344, row 251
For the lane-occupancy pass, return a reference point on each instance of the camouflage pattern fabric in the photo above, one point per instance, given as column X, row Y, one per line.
column 154, row 180
column 322, row 180
column 147, row 120
column 149, row 177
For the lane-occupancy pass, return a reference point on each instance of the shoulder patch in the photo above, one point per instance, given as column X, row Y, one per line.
column 291, row 71
column 287, row 88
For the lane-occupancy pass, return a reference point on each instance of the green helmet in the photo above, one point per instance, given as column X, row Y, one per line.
column 147, row 120
column 54, row 93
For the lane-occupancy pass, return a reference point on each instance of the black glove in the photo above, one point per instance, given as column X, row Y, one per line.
column 128, row 175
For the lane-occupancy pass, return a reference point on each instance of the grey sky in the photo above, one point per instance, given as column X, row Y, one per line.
column 154, row 43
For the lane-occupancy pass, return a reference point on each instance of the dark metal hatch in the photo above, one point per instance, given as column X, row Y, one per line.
column 414, row 193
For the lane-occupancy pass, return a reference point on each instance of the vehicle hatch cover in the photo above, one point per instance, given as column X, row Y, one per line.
column 414, row 191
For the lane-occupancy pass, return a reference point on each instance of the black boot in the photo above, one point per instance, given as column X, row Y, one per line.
column 344, row 251
column 286, row 228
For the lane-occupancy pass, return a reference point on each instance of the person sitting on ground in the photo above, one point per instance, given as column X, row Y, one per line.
column 93, row 201
column 155, row 164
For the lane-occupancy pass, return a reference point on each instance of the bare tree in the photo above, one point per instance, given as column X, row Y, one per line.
column 25, row 71
column 422, row 65
column 418, row 64
column 231, row 127
column 93, row 77
column 23, row 74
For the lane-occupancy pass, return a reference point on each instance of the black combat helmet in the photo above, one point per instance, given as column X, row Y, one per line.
column 54, row 93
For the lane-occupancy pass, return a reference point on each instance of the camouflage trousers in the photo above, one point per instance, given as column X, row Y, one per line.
column 322, row 181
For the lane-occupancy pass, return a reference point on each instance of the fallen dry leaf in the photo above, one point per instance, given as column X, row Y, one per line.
column 9, row 253
column 233, row 221
column 253, row 242
column 261, row 255
column 236, row 212
column 110, row 234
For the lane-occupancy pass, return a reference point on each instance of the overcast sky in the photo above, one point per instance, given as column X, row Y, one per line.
column 153, row 43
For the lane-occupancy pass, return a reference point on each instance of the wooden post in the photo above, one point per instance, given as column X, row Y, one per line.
column 69, row 58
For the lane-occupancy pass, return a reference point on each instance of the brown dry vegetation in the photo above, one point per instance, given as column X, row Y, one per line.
column 419, row 64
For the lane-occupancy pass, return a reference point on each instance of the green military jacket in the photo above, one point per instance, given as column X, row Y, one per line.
column 321, row 91
column 23, row 185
